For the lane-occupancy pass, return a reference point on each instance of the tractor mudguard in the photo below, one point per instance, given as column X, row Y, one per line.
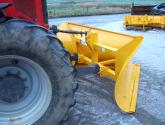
column 2, row 14
column 4, row 5
column 113, row 52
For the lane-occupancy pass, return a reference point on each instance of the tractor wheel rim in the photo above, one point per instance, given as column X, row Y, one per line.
column 25, row 90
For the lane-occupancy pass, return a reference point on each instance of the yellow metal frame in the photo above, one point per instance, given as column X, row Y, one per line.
column 145, row 21
column 113, row 52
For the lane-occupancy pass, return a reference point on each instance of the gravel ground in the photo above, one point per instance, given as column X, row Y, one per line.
column 95, row 100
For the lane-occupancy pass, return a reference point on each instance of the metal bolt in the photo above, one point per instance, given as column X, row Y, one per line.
column 14, row 62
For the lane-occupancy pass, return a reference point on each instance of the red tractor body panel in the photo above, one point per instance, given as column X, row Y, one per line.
column 30, row 10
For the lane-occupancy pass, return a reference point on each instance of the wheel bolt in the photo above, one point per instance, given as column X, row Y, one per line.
column 14, row 62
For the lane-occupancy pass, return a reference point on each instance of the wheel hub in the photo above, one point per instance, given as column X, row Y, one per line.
column 25, row 90
column 12, row 88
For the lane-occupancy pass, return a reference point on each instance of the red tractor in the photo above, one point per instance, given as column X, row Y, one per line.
column 36, row 76
column 37, row 64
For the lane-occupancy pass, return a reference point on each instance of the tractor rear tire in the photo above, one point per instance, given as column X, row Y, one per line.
column 27, row 48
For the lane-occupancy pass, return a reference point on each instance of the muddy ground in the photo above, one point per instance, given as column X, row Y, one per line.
column 95, row 99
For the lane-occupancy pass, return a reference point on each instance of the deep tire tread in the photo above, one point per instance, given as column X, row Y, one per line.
column 54, row 47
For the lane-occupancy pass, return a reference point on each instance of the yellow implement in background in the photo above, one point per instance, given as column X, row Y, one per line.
column 145, row 21
column 113, row 53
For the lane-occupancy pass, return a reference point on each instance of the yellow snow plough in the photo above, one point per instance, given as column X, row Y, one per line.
column 146, row 17
column 113, row 53
column 145, row 21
